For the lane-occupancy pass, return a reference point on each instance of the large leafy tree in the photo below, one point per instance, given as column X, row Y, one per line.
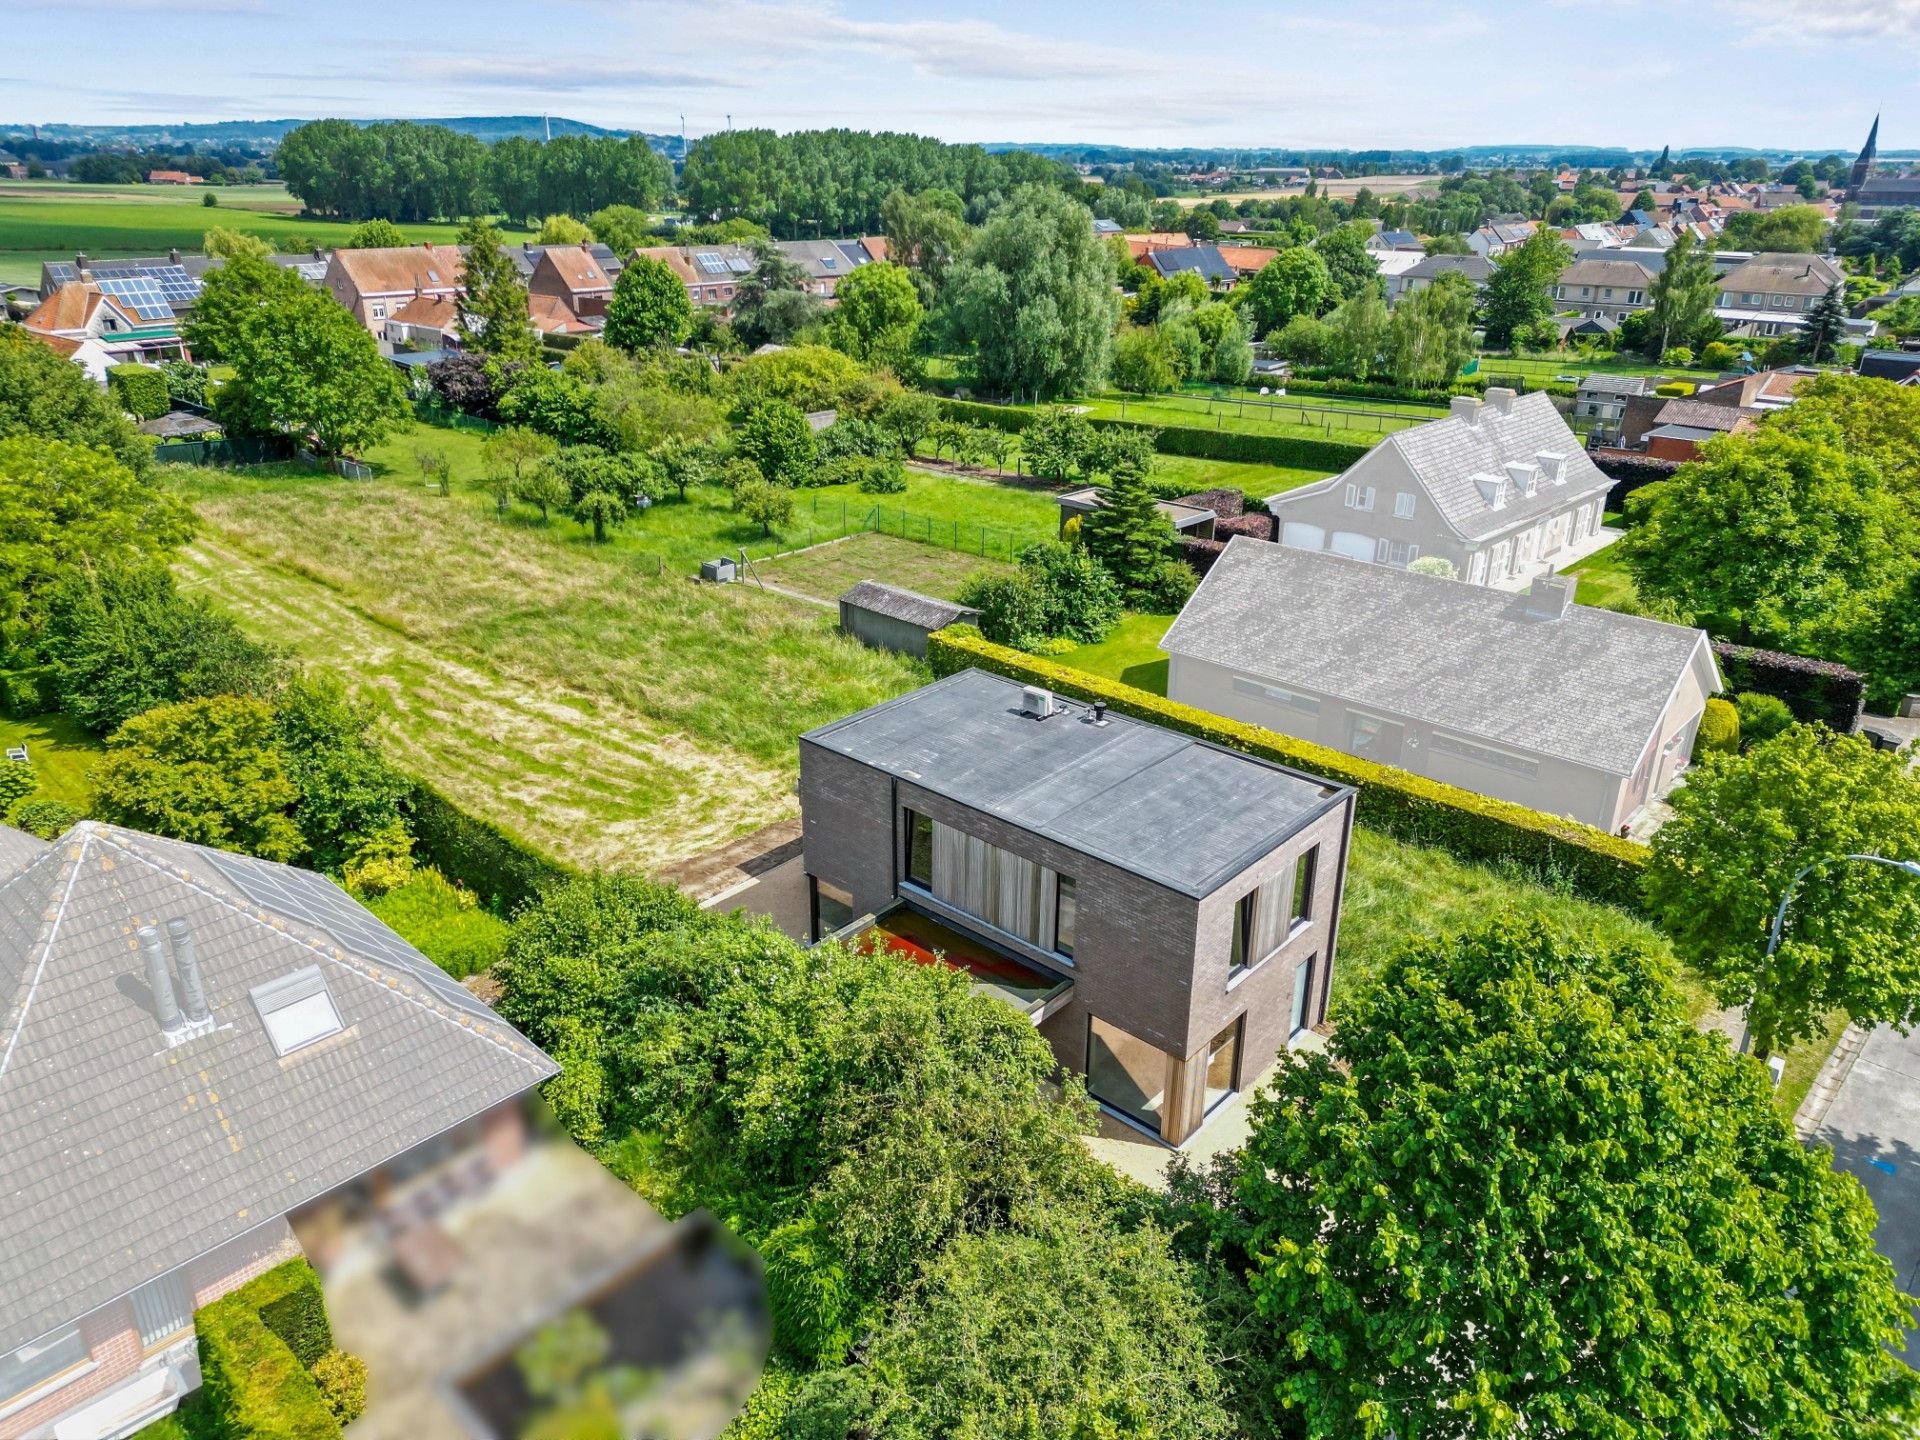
column 1031, row 304
column 878, row 316
column 926, row 233
column 42, row 394
column 206, row 770
column 1877, row 421
column 226, row 318
column 772, row 305
column 65, row 507
column 1791, row 229
column 649, row 307
column 346, row 787
column 307, row 368
column 1350, row 265
column 1523, row 1196
column 1430, row 335
column 1742, row 827
column 1294, row 282
column 621, row 228
column 493, row 302
column 777, row 437
column 1780, row 538
column 1681, row 297
column 1519, row 293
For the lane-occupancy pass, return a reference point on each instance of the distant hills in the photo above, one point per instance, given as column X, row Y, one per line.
column 265, row 134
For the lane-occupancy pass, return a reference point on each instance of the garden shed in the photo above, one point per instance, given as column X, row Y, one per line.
column 887, row 617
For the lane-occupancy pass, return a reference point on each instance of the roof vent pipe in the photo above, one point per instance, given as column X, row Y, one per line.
column 193, row 993
column 160, row 982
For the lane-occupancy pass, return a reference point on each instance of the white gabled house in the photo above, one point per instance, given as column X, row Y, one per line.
column 1502, row 489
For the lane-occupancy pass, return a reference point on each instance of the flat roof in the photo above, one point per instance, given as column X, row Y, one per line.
column 1175, row 810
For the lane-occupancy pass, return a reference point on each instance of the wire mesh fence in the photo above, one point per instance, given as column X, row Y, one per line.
column 826, row 520
column 1260, row 410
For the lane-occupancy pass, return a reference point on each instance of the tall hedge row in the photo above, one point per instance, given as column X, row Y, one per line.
column 500, row 869
column 254, row 1386
column 140, row 389
column 1224, row 445
column 1815, row 690
column 1597, row 865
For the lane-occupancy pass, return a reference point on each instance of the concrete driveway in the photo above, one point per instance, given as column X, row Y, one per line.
column 1873, row 1127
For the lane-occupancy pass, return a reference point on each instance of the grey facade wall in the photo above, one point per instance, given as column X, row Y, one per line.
column 889, row 632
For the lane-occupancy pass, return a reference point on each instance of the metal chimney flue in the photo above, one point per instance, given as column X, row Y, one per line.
column 160, row 981
column 193, row 993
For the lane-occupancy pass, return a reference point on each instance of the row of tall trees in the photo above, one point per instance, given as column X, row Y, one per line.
column 410, row 172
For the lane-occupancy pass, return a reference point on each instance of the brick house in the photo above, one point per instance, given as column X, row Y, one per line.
column 1164, row 911
column 711, row 273
column 574, row 276
column 203, row 1056
column 375, row 283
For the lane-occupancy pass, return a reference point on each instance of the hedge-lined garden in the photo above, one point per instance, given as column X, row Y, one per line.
column 268, row 1367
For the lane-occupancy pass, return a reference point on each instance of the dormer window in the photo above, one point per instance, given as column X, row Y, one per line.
column 297, row 1009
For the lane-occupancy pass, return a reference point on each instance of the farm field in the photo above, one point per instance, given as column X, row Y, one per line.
column 828, row 571
column 1332, row 189
column 42, row 220
column 567, row 692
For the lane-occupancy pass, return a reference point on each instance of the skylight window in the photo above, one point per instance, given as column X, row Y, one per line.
column 297, row 1010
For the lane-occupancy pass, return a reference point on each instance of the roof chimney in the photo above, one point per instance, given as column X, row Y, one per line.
column 193, row 994
column 173, row 256
column 1501, row 399
column 160, row 982
column 1465, row 407
column 1550, row 596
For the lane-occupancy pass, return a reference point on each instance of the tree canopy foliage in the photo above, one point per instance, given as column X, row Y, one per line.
column 1519, row 294
column 649, row 306
column 42, row 394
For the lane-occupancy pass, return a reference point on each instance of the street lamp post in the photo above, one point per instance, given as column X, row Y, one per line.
column 1910, row 867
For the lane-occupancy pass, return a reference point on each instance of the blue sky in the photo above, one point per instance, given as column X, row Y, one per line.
column 1788, row 73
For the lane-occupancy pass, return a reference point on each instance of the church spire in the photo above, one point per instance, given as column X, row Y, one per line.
column 1863, row 166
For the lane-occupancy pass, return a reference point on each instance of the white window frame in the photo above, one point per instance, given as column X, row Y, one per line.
column 1403, row 505
column 1359, row 497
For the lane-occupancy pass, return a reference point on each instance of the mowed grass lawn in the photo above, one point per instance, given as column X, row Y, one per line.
column 60, row 753
column 1605, row 583
column 828, row 571
column 1131, row 654
column 609, row 714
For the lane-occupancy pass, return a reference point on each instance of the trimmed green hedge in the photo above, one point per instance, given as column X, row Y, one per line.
column 500, row 869
column 28, row 691
column 140, row 389
column 254, row 1386
column 1231, row 446
column 1597, row 865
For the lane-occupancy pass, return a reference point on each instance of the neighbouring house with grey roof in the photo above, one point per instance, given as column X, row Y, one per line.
column 1614, row 288
column 1477, row 268
column 1523, row 697
column 1769, row 294
column 886, row 617
column 1603, row 398
column 1200, row 259
column 1501, row 488
column 1163, row 910
column 201, row 1053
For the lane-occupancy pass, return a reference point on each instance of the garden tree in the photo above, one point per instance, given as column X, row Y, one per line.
column 434, row 467
column 1358, row 332
column 999, row 1337
column 1791, row 229
column 346, row 787
column 121, row 640
column 1430, row 334
column 1889, row 646
column 640, row 416
column 1350, row 266
column 306, row 368
column 545, row 488
column 562, row 229
column 925, row 233
column 1305, row 340
column 909, row 416
column 65, row 508
column 555, row 404
column 1742, row 827
column 374, row 235
column 1201, row 224
column 587, row 468
column 1059, row 591
column 1227, row 347
column 1031, row 304
column 687, row 462
column 1521, row 1195
column 811, row 377
column 623, row 229
column 1900, row 319
column 1446, row 244
column 599, row 509
column 767, row 505
column 225, row 244
column 208, row 771
column 1154, row 295
column 1184, row 343
column 470, row 384
column 1826, row 323
column 1129, row 534
column 878, row 316
column 1144, row 361
column 1777, row 538
column 231, row 302
column 779, row 440
column 649, row 307
column 1877, row 421
column 42, row 394
column 1520, row 291
column 1681, row 296
column 492, row 301
column 1295, row 282
column 772, row 304
column 507, row 457
column 1057, row 444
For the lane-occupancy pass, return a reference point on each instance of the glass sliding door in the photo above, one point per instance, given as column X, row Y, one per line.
column 1126, row 1073
column 1223, row 1065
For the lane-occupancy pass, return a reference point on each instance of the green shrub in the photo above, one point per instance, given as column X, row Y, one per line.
column 140, row 390
column 882, row 477
column 1597, row 865
column 764, row 1416
column 808, row 1294
column 342, row 1379
column 1761, row 717
column 1674, row 387
column 28, row 691
column 255, row 1386
column 503, row 871
column 17, row 781
column 1719, row 727
column 443, row 922
column 45, row 818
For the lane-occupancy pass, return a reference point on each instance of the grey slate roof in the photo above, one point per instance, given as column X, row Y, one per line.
column 121, row 1157
column 1597, row 383
column 1620, row 274
column 18, row 849
column 1589, row 688
column 1185, row 814
column 1476, row 268
column 1203, row 260
column 911, row 606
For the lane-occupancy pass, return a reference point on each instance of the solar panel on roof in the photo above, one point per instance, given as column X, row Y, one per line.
column 740, row 266
column 711, row 264
column 138, row 294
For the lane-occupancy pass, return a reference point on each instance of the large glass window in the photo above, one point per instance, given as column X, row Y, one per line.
column 832, row 907
column 920, row 850
column 1126, row 1073
column 1066, row 915
column 1303, row 977
column 1302, row 910
column 1223, row 1065
column 1243, row 931
column 34, row 1364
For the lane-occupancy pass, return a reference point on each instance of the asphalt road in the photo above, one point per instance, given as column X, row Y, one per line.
column 1873, row 1126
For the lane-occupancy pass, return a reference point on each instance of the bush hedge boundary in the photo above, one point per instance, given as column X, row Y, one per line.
column 254, row 1385
column 503, row 870
column 1815, row 690
column 1228, row 446
column 1595, row 864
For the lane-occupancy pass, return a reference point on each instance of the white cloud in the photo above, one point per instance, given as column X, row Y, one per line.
column 1832, row 21
column 564, row 75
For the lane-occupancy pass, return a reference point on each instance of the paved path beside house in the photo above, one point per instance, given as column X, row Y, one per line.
column 730, row 869
column 1872, row 1123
